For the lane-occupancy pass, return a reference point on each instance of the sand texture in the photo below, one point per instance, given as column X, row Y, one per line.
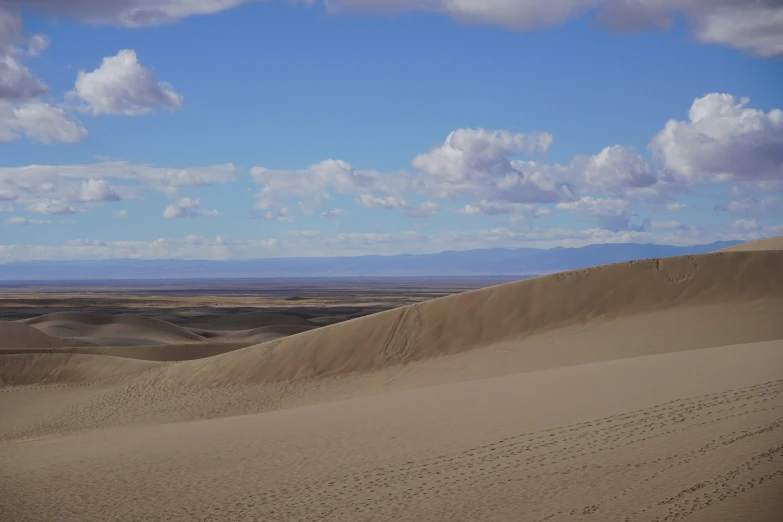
column 647, row 391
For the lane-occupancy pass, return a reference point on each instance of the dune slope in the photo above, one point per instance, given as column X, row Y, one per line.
column 502, row 314
column 16, row 335
column 770, row 243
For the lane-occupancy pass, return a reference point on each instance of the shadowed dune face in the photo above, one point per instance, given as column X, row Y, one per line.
column 646, row 391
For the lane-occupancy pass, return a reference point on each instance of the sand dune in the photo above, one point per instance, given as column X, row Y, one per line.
column 770, row 243
column 15, row 335
column 645, row 391
column 111, row 329
column 66, row 368
column 502, row 314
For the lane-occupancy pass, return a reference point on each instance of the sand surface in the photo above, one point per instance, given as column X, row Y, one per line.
column 644, row 391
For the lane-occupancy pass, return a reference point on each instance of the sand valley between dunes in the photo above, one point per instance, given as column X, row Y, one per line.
column 647, row 391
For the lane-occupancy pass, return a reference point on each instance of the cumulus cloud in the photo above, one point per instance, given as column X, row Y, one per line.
column 17, row 220
column 388, row 202
column 315, row 182
column 666, row 225
column 745, row 224
column 500, row 207
column 94, row 190
column 332, row 212
column 613, row 214
column 724, row 140
column 120, row 213
column 477, row 162
column 91, row 182
column 423, row 210
column 279, row 214
column 51, row 207
column 755, row 27
column 187, row 207
column 40, row 122
column 67, row 189
column 17, row 83
column 129, row 13
column 122, row 86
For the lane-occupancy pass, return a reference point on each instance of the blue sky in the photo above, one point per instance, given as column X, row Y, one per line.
column 237, row 129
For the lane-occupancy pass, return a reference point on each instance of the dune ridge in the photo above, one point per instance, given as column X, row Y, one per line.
column 494, row 315
column 770, row 243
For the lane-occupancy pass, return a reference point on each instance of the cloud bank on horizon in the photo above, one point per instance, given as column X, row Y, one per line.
column 710, row 169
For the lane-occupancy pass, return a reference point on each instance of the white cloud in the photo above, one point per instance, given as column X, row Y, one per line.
column 476, row 163
column 374, row 238
column 612, row 214
column 424, row 209
column 387, row 202
column 51, row 207
column 187, row 207
column 666, row 225
column 40, row 122
column 596, row 206
column 16, row 220
column 280, row 214
column 332, row 212
column 120, row 213
column 755, row 26
column 724, row 140
column 122, row 86
column 751, row 26
column 745, row 224
column 75, row 184
column 514, row 14
column 676, row 206
column 17, row 83
column 619, row 171
column 131, row 13
column 499, row 207
column 304, row 233
column 314, row 183
column 94, row 190
column 190, row 247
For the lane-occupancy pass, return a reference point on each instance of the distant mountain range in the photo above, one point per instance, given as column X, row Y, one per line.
column 482, row 262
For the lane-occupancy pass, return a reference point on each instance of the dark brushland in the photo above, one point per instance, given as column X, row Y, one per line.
column 481, row 262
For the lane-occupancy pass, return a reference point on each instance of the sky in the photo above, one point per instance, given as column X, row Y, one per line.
column 236, row 129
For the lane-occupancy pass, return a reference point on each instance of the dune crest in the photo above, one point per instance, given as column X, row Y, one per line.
column 770, row 243
column 499, row 314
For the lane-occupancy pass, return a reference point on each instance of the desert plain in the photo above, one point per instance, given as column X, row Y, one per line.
column 646, row 391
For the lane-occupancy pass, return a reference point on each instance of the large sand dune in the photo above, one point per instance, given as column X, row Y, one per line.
column 645, row 391
column 770, row 243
